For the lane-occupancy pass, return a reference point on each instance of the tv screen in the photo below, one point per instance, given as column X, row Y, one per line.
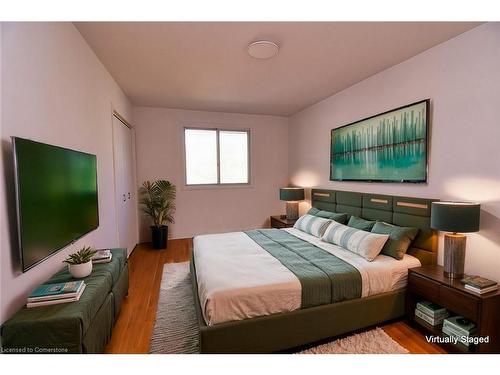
column 56, row 191
column 388, row 147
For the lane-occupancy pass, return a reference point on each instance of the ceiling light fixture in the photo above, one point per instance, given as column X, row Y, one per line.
column 263, row 49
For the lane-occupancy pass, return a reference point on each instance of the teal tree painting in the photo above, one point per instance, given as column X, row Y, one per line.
column 388, row 147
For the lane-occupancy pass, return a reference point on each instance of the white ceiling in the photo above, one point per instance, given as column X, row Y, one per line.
column 205, row 66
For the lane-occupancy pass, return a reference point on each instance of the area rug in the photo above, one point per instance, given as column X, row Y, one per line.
column 176, row 326
column 375, row 341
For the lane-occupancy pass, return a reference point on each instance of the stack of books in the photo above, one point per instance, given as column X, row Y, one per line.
column 460, row 328
column 102, row 256
column 431, row 313
column 53, row 294
column 479, row 284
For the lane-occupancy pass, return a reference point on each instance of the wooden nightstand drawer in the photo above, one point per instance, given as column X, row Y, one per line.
column 429, row 282
column 279, row 222
column 460, row 302
column 423, row 286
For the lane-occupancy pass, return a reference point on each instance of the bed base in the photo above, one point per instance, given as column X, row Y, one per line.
column 278, row 332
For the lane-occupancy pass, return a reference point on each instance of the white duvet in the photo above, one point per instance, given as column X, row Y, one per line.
column 238, row 279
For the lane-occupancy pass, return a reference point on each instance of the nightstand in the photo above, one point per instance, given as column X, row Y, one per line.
column 429, row 283
column 278, row 222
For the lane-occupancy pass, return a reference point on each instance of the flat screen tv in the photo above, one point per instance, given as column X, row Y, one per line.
column 388, row 147
column 56, row 192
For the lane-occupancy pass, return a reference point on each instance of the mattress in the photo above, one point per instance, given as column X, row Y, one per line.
column 238, row 279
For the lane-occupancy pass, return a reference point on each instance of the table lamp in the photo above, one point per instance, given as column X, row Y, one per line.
column 292, row 196
column 455, row 217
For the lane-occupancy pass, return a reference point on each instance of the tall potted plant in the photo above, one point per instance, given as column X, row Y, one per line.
column 157, row 201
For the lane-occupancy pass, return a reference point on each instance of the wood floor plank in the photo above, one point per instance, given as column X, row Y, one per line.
column 134, row 326
column 411, row 339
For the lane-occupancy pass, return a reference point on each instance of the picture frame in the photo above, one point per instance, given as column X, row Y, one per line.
column 391, row 146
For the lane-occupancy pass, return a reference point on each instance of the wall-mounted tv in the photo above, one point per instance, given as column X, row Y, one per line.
column 388, row 147
column 56, row 193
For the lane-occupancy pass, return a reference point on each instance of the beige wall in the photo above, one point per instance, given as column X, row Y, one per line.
column 159, row 142
column 462, row 79
column 53, row 90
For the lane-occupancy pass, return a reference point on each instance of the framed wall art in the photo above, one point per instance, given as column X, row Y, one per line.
column 388, row 147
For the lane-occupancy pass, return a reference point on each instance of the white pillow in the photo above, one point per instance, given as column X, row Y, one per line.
column 366, row 244
column 312, row 224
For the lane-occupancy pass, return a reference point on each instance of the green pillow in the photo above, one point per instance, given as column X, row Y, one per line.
column 312, row 211
column 359, row 223
column 399, row 240
column 339, row 218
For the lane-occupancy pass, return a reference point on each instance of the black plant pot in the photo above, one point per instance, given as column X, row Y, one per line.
column 159, row 236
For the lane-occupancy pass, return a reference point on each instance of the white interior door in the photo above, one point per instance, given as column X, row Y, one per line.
column 125, row 186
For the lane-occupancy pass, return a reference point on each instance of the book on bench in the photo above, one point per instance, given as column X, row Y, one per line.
column 55, row 291
column 102, row 256
column 54, row 301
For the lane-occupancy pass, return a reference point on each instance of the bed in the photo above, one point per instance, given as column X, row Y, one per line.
column 265, row 310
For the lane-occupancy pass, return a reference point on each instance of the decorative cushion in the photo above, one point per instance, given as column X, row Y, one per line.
column 399, row 240
column 365, row 244
column 313, row 211
column 339, row 218
column 359, row 223
column 312, row 224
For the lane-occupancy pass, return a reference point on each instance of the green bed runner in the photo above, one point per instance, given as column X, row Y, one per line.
column 324, row 277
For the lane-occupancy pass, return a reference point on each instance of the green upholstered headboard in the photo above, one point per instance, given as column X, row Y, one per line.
column 403, row 211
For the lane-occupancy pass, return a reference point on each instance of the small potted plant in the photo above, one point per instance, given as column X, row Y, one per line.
column 157, row 201
column 80, row 263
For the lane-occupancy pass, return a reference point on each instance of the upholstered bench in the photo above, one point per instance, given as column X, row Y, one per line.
column 77, row 327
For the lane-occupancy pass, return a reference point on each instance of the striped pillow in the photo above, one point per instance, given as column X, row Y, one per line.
column 312, row 224
column 365, row 244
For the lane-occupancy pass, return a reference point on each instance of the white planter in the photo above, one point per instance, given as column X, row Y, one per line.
column 79, row 271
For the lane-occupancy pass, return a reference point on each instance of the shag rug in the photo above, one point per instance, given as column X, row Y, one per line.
column 375, row 341
column 176, row 326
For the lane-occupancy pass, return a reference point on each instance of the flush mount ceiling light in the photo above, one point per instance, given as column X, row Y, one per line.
column 263, row 49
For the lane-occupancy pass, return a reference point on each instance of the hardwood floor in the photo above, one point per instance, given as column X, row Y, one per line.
column 134, row 326
column 411, row 339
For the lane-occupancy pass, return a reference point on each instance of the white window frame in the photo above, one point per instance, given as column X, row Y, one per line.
column 218, row 183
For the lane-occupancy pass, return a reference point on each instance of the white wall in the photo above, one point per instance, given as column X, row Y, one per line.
column 462, row 79
column 53, row 90
column 159, row 142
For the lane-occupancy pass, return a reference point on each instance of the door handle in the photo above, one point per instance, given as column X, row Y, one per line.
column 124, row 198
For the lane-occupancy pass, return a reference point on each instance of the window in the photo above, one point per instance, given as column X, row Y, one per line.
column 216, row 156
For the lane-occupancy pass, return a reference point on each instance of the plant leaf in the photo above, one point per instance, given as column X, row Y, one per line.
column 157, row 201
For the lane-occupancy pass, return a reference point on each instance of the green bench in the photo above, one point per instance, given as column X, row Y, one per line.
column 77, row 327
